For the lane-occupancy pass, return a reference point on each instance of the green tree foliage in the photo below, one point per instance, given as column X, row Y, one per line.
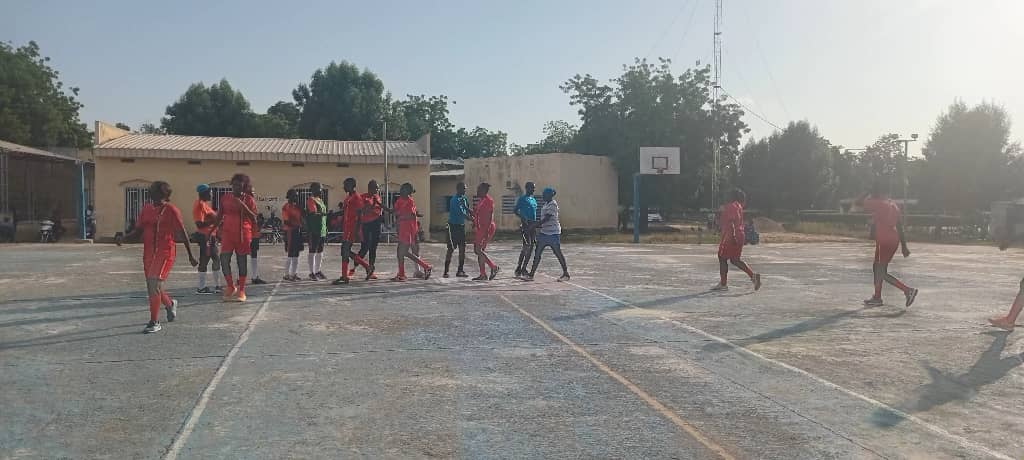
column 217, row 110
column 287, row 114
column 793, row 169
column 969, row 159
column 35, row 108
column 123, row 126
column 559, row 136
column 340, row 102
column 649, row 106
column 150, row 128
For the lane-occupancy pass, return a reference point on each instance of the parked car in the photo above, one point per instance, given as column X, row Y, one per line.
column 654, row 216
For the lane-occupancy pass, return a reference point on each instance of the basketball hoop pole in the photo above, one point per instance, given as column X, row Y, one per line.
column 636, row 207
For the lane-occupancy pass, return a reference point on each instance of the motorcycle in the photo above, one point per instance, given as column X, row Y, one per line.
column 46, row 233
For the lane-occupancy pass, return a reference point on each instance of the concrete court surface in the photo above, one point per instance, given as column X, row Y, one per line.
column 633, row 359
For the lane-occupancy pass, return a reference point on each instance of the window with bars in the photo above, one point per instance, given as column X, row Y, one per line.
column 304, row 194
column 216, row 193
column 134, row 199
column 508, row 204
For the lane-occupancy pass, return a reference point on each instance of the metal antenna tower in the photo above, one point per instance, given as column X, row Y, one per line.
column 716, row 86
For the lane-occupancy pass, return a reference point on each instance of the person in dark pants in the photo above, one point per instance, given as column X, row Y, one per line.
column 371, row 217
column 206, row 237
column 526, row 209
column 292, row 226
column 458, row 208
column 550, row 236
column 316, row 226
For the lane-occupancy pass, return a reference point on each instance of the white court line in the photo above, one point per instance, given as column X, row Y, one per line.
column 190, row 424
column 646, row 397
column 963, row 442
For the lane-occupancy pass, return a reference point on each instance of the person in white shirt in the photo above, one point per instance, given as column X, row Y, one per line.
column 549, row 235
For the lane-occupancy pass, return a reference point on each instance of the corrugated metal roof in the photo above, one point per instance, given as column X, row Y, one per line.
column 449, row 172
column 266, row 149
column 18, row 148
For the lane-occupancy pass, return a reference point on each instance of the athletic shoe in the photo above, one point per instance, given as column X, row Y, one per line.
column 240, row 297
column 526, row 277
column 494, row 273
column 480, row 278
column 312, row 277
column 418, row 275
column 719, row 287
column 258, row 281
column 873, row 302
column 564, row 277
column 369, row 273
column 228, row 294
column 371, row 276
column 340, row 281
column 445, row 275
column 461, row 275
column 911, row 295
column 204, row 291
column 321, row 276
column 426, row 272
column 172, row 311
column 152, row 327
column 399, row 278
column 218, row 289
column 757, row 281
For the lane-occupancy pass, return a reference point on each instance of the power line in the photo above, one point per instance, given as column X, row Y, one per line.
column 751, row 111
column 665, row 32
column 767, row 68
column 686, row 30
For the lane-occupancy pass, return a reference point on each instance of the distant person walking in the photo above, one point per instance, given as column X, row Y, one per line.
column 351, row 208
column 526, row 210
column 483, row 231
column 205, row 219
column 405, row 216
column 458, row 209
column 236, row 219
column 159, row 223
column 316, row 227
column 730, row 246
column 550, row 235
column 889, row 236
column 291, row 212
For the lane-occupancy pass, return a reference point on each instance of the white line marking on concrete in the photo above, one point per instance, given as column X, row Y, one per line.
column 646, row 397
column 190, row 424
column 963, row 442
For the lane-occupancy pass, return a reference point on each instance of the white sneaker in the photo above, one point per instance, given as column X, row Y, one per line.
column 172, row 311
column 152, row 327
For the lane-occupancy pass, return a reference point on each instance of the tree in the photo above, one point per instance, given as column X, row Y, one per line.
column 558, row 137
column 969, row 160
column 479, row 142
column 35, row 109
column 791, row 169
column 340, row 102
column 217, row 110
column 649, row 106
column 150, row 128
column 123, row 126
column 285, row 114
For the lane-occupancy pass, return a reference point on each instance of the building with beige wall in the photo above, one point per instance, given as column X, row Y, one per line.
column 126, row 164
column 587, row 186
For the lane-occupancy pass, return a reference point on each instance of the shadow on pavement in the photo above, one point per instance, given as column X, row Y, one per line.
column 945, row 387
column 799, row 328
column 55, row 339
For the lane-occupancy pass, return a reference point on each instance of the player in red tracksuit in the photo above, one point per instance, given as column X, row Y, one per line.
column 351, row 208
column 159, row 223
column 236, row 219
column 730, row 247
column 406, row 215
column 889, row 236
column 483, row 231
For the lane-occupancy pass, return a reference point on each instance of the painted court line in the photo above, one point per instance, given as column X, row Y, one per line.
column 646, row 397
column 963, row 442
column 190, row 423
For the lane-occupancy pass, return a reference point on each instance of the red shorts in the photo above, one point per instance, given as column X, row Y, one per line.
column 482, row 237
column 158, row 265
column 885, row 250
column 729, row 249
column 408, row 238
column 238, row 244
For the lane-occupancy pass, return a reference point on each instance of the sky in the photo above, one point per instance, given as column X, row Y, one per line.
column 855, row 69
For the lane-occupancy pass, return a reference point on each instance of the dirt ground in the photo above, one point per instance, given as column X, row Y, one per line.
column 634, row 358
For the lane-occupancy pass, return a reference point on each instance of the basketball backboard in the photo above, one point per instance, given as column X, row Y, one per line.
column 659, row 160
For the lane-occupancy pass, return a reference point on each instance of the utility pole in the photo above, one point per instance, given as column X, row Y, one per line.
column 716, row 85
column 906, row 163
